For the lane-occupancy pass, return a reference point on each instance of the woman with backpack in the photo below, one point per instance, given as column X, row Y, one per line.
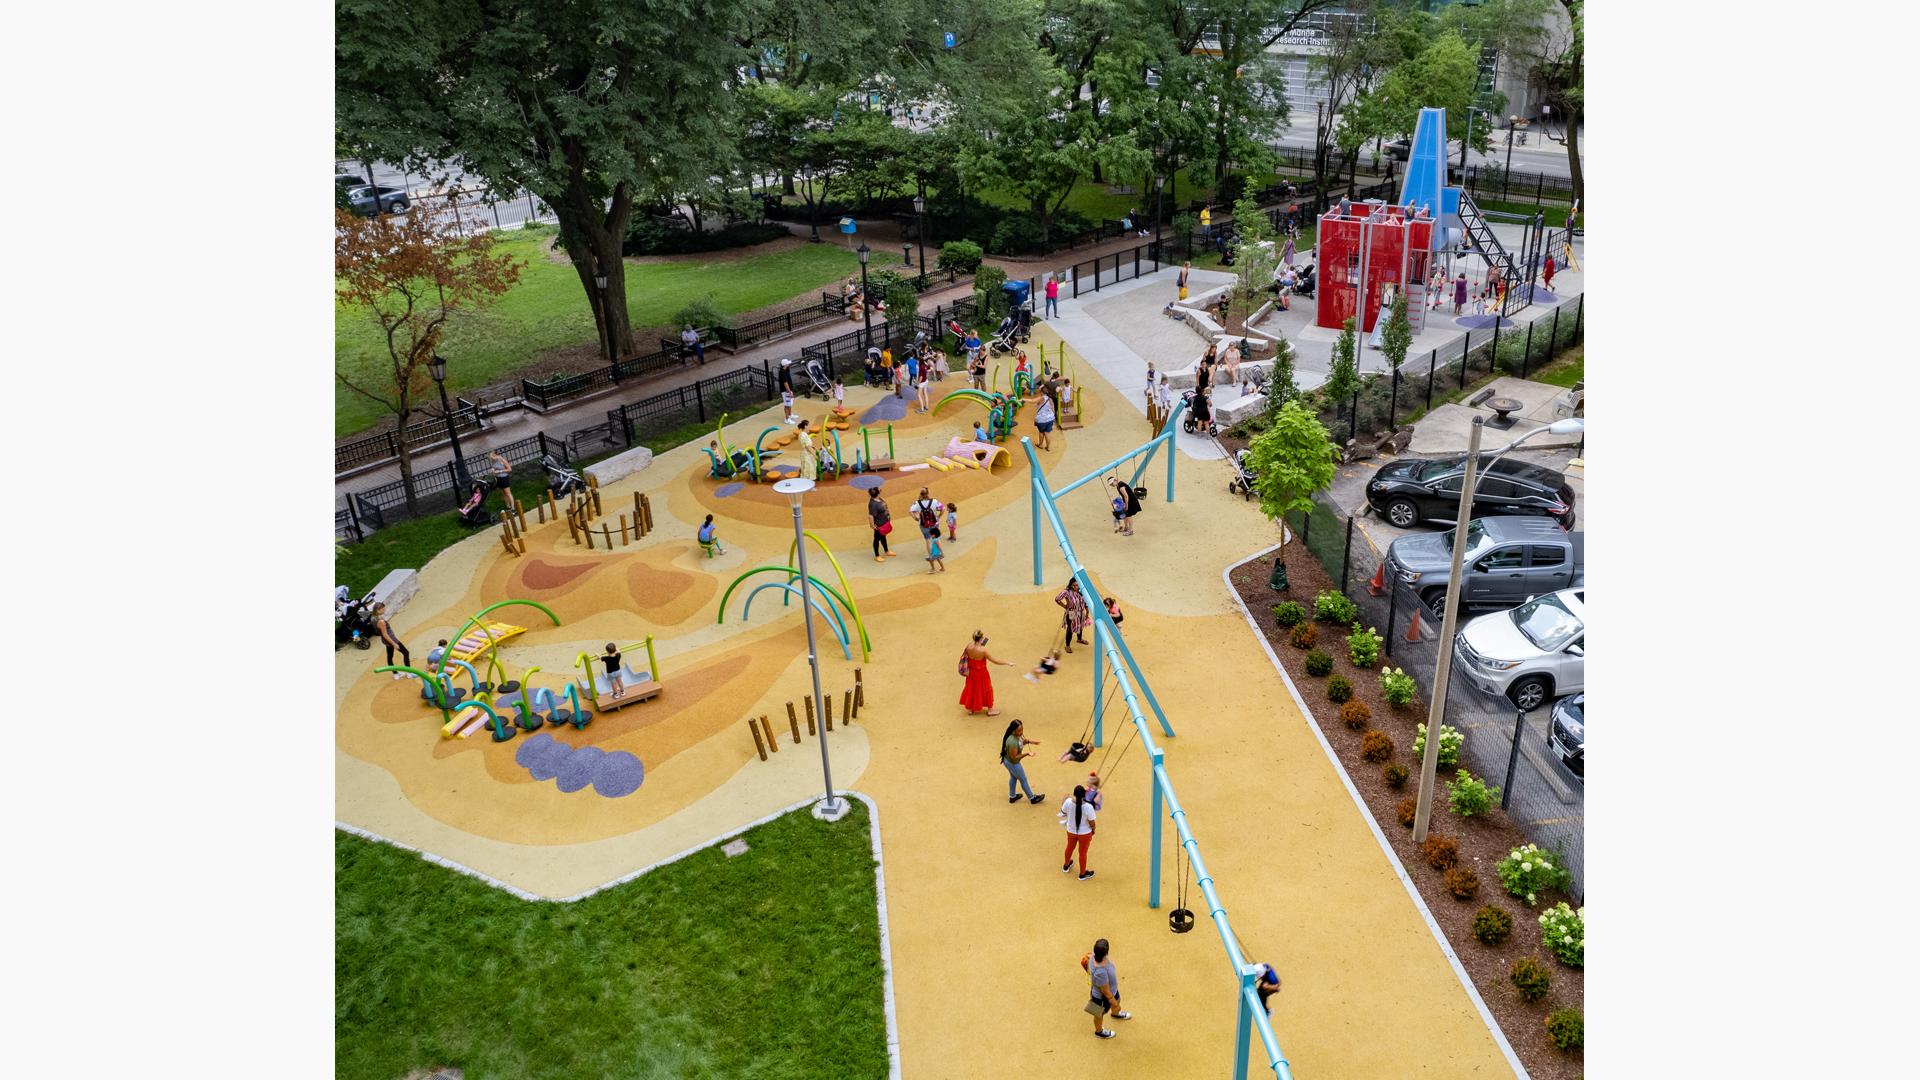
column 926, row 513
column 1077, row 814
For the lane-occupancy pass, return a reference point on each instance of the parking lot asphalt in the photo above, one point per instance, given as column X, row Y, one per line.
column 1547, row 801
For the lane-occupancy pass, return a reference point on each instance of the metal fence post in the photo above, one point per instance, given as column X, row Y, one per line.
column 1553, row 333
column 1539, row 185
column 1393, row 604
column 1076, row 280
column 1526, row 354
column 541, row 438
column 766, row 367
column 1466, row 350
column 1136, row 262
column 1346, row 556
column 1493, row 352
column 1513, row 755
column 1433, row 355
column 1353, row 416
column 626, row 423
column 1579, row 313
column 699, row 401
column 1393, row 403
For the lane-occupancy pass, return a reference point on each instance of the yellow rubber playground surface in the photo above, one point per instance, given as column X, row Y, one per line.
column 985, row 930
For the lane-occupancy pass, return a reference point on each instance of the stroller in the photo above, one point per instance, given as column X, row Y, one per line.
column 817, row 381
column 877, row 373
column 355, row 624
column 1005, row 337
column 1192, row 418
column 1304, row 286
column 474, row 510
column 562, row 480
column 1244, row 478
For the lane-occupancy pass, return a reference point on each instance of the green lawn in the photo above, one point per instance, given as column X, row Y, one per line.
column 548, row 310
column 766, row 965
column 1569, row 369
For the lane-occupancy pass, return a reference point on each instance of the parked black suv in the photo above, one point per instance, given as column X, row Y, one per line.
column 1567, row 733
column 1428, row 489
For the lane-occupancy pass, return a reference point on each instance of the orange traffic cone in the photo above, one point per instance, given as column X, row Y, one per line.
column 1376, row 587
column 1413, row 625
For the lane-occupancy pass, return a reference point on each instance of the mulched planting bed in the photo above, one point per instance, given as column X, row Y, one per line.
column 1483, row 840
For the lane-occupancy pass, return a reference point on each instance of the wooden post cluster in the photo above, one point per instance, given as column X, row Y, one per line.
column 851, row 700
column 584, row 506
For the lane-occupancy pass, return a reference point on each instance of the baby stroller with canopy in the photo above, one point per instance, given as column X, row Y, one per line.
column 1196, row 416
column 355, row 623
column 877, row 373
column 562, row 480
column 1244, row 478
column 474, row 510
column 817, row 381
column 1005, row 337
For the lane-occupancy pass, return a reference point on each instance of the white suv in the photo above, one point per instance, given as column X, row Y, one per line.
column 1530, row 654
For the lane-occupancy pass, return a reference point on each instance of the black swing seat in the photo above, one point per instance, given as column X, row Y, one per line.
column 1080, row 751
column 1180, row 920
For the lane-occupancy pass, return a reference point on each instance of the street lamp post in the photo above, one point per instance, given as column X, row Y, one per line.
column 830, row 808
column 866, row 302
column 606, row 313
column 1159, row 191
column 1437, row 704
column 920, row 211
column 438, row 368
column 1512, row 122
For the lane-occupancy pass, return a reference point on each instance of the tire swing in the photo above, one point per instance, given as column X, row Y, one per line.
column 1180, row 919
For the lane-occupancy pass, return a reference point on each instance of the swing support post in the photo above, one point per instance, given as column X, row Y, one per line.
column 1099, row 654
column 1153, row 778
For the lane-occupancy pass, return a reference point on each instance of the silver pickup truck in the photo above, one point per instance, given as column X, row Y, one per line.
column 1509, row 558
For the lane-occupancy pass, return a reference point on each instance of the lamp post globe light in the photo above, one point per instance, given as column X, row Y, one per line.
column 866, row 302
column 1443, row 666
column 920, row 212
column 830, row 808
column 437, row 367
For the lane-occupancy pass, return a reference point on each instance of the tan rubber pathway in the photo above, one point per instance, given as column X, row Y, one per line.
column 986, row 931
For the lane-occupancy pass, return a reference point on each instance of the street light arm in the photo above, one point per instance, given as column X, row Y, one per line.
column 1558, row 427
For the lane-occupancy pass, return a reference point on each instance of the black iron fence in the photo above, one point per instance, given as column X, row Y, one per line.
column 378, row 449
column 697, row 402
column 1384, row 399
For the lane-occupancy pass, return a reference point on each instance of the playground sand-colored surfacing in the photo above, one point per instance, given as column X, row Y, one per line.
column 985, row 930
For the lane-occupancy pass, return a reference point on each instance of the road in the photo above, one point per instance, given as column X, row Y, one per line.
column 507, row 211
column 1537, row 156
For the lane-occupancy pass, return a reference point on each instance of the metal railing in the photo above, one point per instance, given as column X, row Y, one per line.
column 378, row 449
column 436, row 490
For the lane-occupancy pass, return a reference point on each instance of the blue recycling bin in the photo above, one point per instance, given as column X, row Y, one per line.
column 1017, row 292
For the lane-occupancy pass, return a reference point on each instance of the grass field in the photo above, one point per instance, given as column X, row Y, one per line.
column 548, row 310
column 1569, row 369
column 766, row 965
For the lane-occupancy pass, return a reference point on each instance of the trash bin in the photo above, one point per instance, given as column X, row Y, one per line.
column 1017, row 294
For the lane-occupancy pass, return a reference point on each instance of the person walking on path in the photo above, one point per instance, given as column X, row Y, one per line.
column 1077, row 814
column 977, row 694
column 1053, row 296
column 1549, row 269
column 809, row 462
column 1074, row 603
column 1206, row 223
column 1013, row 750
column 926, row 512
column 1103, row 988
column 389, row 639
column 786, row 391
column 1043, row 418
column 882, row 522
column 1185, row 269
column 1459, row 292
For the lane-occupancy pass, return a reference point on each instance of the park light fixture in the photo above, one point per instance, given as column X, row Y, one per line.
column 437, row 367
column 919, row 204
column 795, row 488
column 863, row 251
column 1450, row 611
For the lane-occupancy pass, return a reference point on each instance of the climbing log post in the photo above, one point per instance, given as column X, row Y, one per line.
column 810, row 731
column 772, row 743
column 793, row 725
column 846, row 707
column 757, row 744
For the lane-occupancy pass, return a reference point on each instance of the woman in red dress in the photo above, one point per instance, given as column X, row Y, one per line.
column 978, row 693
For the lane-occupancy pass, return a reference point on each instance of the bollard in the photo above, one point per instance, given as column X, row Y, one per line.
column 637, row 516
column 808, row 702
column 623, row 530
column 588, row 533
column 827, row 704
column 519, row 513
column 810, row 730
column 758, row 746
column 793, row 726
column 846, row 707
column 772, row 743
column 606, row 534
column 646, row 505
column 593, row 490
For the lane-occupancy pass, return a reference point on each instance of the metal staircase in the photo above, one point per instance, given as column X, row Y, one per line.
column 1485, row 244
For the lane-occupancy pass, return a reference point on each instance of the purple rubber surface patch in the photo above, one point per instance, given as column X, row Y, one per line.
column 887, row 408
column 867, row 482
column 540, row 756
column 576, row 769
column 1482, row 322
column 725, row 490
column 618, row 774
column 613, row 775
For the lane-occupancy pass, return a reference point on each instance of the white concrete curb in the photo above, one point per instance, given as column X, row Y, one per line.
column 1366, row 814
column 879, row 883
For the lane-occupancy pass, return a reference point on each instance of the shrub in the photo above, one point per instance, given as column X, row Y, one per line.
column 1462, row 883
column 1397, row 687
column 1289, row 613
column 1395, row 774
column 1469, row 796
column 1354, row 714
column 698, row 314
column 1451, row 739
column 1527, row 872
column 1530, row 977
column 1567, row 1028
column 1304, row 636
column 962, row 256
column 1441, row 852
column 1339, row 690
column 1376, row 746
column 1016, row 234
column 1564, row 931
column 1406, row 810
column 1332, row 607
column 1318, row 663
column 1491, row 925
column 647, row 236
column 1363, row 647
column 989, row 298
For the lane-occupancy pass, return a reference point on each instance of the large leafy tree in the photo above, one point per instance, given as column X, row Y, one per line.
column 1559, row 69
column 411, row 275
column 1292, row 459
column 1445, row 75
column 591, row 105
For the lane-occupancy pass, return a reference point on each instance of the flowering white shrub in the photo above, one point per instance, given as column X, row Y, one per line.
column 1397, row 687
column 1451, row 740
column 1564, row 931
column 1528, row 871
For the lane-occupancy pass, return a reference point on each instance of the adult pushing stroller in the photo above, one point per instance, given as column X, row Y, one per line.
column 1303, row 284
column 562, row 480
column 877, row 373
column 1197, row 415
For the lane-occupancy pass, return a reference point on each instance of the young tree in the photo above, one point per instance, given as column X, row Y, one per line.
column 1292, row 459
column 1254, row 254
column 1397, row 338
column 1343, row 378
column 1281, row 387
column 411, row 274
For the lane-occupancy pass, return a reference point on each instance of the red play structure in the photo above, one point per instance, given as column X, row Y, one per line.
column 1399, row 252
